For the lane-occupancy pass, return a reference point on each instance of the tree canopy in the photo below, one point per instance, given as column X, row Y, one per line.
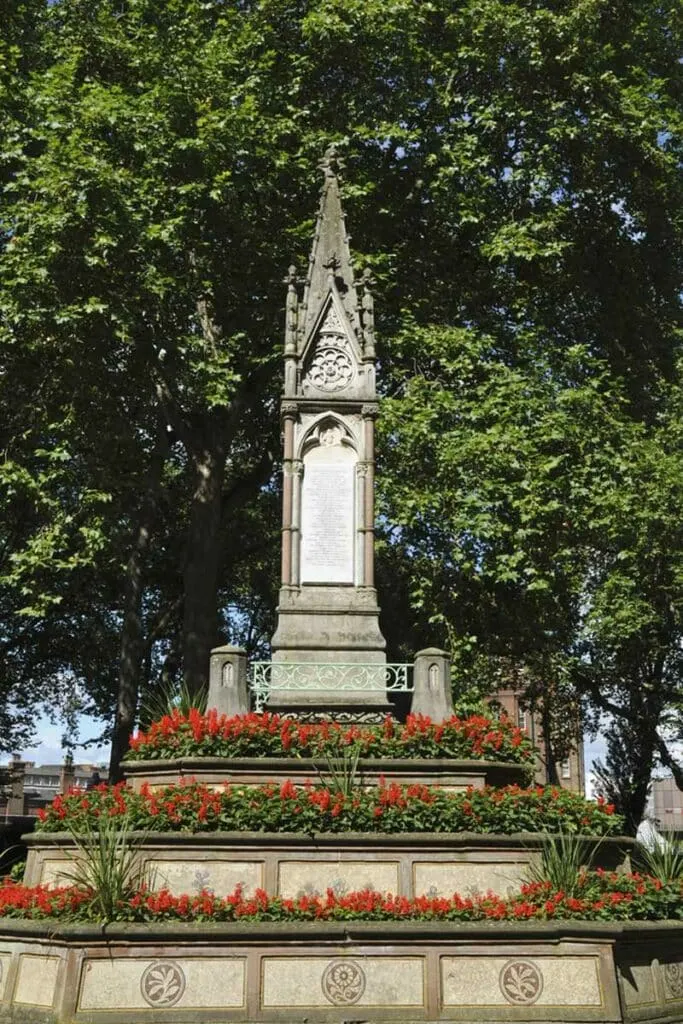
column 513, row 180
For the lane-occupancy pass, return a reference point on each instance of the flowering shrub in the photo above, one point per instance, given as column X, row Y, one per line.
column 602, row 897
column 196, row 807
column 266, row 735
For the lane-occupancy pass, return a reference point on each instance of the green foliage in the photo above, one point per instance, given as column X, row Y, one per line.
column 107, row 863
column 661, row 858
column 174, row 696
column 340, row 774
column 602, row 897
column 270, row 735
column 195, row 807
column 17, row 870
column 565, row 857
column 513, row 178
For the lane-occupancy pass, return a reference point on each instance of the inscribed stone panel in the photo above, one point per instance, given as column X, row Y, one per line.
column 328, row 516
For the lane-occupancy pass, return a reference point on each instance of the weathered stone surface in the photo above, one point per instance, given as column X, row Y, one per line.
column 5, row 960
column 328, row 606
column 163, row 983
column 521, row 981
column 218, row 876
column 409, row 865
column 328, row 519
column 228, row 688
column 55, row 871
column 303, row 876
column 343, row 981
column 533, row 972
column 443, row 879
column 36, row 979
column 432, row 694
column 638, row 984
column 448, row 774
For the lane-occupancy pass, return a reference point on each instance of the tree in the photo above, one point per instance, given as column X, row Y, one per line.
column 513, row 180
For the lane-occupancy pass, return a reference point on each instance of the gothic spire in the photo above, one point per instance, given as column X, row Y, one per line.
column 329, row 266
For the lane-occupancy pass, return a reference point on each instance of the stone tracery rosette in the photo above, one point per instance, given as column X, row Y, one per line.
column 343, row 982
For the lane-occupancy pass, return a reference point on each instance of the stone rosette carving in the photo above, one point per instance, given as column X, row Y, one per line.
column 331, row 368
column 162, row 983
column 673, row 975
column 521, row 982
column 343, row 982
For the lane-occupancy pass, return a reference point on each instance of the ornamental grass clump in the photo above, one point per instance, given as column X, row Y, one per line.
column 602, row 896
column 387, row 808
column 107, row 863
column 662, row 858
column 193, row 734
column 563, row 862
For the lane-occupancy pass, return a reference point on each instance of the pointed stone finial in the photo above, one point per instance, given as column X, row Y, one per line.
column 332, row 164
column 368, row 312
column 292, row 309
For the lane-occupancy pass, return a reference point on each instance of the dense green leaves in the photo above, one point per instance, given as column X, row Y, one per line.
column 513, row 179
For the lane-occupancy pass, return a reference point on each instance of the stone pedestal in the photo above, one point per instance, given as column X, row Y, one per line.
column 228, row 691
column 432, row 695
column 330, row 629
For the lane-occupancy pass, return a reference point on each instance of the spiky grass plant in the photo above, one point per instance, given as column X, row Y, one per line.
column 107, row 863
column 564, row 858
column 174, row 696
column 662, row 858
column 341, row 774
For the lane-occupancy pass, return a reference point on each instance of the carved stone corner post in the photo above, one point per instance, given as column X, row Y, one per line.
column 432, row 694
column 228, row 690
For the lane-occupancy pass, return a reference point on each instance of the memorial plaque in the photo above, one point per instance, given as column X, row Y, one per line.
column 328, row 522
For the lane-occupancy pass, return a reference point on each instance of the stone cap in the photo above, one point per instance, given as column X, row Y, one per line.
column 300, row 932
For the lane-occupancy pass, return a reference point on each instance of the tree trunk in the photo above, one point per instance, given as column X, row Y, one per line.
column 202, row 563
column 132, row 647
column 551, row 775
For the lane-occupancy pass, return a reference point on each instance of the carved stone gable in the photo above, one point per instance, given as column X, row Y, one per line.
column 331, row 365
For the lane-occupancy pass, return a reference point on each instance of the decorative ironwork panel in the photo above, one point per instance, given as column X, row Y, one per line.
column 266, row 677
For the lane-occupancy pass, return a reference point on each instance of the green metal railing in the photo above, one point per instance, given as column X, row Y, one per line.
column 266, row 677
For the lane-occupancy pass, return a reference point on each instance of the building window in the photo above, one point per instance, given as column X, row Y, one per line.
column 566, row 769
column 521, row 718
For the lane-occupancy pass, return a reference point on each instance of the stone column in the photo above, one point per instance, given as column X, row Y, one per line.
column 228, row 690
column 432, row 694
column 289, row 412
column 361, row 484
column 369, row 412
column 297, row 480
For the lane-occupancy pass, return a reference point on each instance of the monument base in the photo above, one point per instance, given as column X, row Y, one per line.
column 331, row 972
column 329, row 653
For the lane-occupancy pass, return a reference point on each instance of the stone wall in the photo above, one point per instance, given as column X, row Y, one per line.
column 340, row 972
column 287, row 865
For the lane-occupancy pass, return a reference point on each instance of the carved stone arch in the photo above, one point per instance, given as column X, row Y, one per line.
column 327, row 430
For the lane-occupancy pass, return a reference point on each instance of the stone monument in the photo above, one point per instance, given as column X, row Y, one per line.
column 328, row 650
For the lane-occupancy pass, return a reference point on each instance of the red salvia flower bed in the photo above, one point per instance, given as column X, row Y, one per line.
column 602, row 896
column 270, row 735
column 387, row 808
